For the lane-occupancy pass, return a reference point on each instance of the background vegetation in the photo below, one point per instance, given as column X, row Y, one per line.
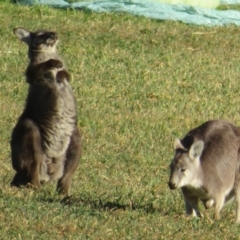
column 139, row 84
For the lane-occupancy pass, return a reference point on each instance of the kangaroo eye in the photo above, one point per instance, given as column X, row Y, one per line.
column 182, row 169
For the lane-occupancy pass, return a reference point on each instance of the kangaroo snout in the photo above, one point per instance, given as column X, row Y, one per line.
column 54, row 35
column 172, row 185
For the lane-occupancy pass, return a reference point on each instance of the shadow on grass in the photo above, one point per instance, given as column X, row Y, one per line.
column 98, row 204
column 107, row 205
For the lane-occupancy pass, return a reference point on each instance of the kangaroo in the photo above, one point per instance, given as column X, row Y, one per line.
column 206, row 167
column 45, row 143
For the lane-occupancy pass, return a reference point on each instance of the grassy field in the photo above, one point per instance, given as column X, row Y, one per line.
column 139, row 84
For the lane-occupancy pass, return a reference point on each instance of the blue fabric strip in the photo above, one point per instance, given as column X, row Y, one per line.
column 156, row 10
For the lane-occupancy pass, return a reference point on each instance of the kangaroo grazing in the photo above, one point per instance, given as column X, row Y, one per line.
column 206, row 167
column 45, row 143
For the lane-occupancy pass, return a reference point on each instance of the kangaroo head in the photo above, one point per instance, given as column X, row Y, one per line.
column 185, row 165
column 39, row 41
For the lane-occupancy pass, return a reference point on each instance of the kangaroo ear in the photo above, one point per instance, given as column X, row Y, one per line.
column 22, row 34
column 178, row 144
column 196, row 149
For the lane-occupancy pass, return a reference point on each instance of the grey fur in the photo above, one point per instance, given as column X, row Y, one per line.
column 211, row 173
column 46, row 142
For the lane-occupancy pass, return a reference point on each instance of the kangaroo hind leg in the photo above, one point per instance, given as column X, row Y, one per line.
column 72, row 159
column 26, row 154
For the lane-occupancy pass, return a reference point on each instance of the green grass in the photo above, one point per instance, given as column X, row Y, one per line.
column 139, row 84
column 229, row 7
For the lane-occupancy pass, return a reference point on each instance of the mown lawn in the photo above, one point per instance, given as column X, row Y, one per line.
column 139, row 84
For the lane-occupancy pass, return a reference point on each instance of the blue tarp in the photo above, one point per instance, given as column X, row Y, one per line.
column 162, row 11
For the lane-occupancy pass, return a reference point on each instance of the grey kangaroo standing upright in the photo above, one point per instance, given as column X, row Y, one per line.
column 206, row 167
column 45, row 143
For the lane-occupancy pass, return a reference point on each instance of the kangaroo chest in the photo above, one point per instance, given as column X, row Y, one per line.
column 58, row 132
column 200, row 192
